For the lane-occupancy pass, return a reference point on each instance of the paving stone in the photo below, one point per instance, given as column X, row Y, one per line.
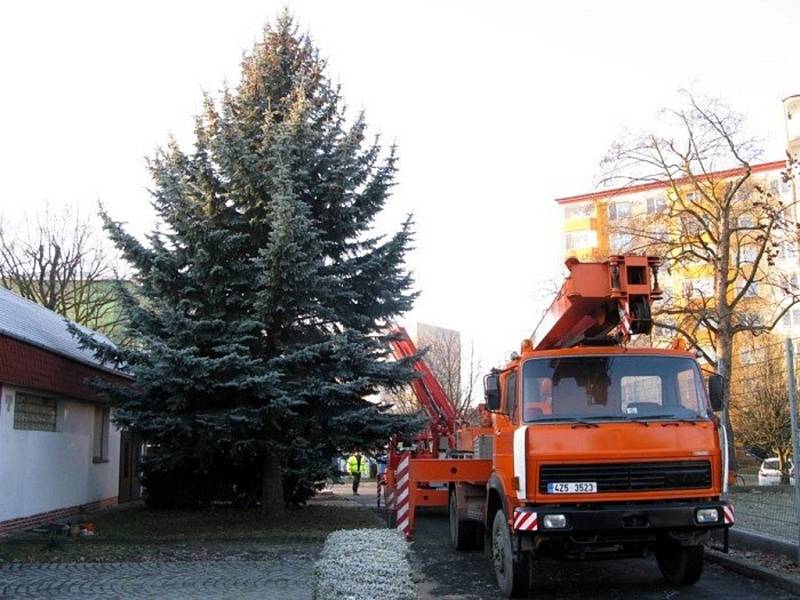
column 287, row 578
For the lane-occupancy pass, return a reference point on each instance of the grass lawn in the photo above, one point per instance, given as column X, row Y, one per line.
column 139, row 534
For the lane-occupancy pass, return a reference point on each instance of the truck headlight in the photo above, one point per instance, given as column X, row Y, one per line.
column 554, row 521
column 707, row 515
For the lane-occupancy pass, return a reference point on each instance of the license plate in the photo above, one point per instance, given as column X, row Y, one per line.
column 583, row 487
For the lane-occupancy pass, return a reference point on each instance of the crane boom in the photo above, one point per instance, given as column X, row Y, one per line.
column 598, row 297
column 428, row 390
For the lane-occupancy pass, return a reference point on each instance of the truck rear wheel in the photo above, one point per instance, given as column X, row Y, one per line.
column 512, row 571
column 464, row 535
column 680, row 565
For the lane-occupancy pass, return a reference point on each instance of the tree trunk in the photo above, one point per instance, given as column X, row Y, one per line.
column 724, row 368
column 783, row 459
column 724, row 349
column 272, row 502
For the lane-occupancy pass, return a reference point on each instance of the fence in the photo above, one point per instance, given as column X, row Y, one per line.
column 768, row 510
column 763, row 409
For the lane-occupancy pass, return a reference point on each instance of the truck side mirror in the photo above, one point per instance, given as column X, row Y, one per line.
column 491, row 392
column 715, row 392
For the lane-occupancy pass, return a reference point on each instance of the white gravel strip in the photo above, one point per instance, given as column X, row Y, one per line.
column 364, row 564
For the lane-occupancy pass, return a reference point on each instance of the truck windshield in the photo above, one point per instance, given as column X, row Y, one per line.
column 626, row 387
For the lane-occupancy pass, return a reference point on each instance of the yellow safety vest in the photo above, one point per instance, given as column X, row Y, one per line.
column 352, row 465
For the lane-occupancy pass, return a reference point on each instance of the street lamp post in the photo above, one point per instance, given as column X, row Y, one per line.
column 791, row 120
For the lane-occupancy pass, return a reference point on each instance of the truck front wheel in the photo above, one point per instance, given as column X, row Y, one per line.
column 512, row 571
column 680, row 565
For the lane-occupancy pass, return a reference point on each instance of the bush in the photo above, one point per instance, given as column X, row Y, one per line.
column 364, row 564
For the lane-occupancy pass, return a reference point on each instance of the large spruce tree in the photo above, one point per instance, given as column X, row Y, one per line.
column 263, row 296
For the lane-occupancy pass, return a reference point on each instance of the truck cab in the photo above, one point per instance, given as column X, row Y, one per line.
column 603, row 450
column 607, row 452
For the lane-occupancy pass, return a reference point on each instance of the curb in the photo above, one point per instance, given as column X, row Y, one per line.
column 764, row 543
column 753, row 571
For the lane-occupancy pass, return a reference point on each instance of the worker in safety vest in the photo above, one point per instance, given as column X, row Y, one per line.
column 355, row 466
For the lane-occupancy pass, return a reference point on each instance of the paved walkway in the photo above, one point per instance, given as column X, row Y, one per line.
column 287, row 578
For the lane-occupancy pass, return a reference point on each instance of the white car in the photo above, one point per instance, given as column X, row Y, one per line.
column 770, row 472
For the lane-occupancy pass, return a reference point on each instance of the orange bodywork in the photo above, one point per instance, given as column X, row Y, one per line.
column 596, row 300
column 442, row 472
column 582, row 308
column 568, row 443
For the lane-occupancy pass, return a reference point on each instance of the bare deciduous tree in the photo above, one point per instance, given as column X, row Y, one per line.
column 718, row 220
column 57, row 259
column 761, row 413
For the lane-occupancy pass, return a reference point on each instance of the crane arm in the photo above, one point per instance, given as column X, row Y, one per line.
column 427, row 389
column 598, row 297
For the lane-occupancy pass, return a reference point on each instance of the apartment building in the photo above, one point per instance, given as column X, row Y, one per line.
column 593, row 230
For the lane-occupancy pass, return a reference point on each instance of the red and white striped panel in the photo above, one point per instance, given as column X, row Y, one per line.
column 526, row 521
column 402, row 499
column 624, row 317
column 728, row 514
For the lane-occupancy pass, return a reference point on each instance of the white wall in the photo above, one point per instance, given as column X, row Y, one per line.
column 42, row 470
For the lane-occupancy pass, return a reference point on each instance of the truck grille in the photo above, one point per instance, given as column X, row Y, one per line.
column 631, row 477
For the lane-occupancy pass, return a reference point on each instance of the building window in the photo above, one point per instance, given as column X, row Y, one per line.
column 620, row 242
column 581, row 239
column 100, row 440
column 748, row 254
column 35, row 413
column 691, row 224
column 787, row 250
column 701, row 287
column 749, row 356
column 659, row 233
column 750, row 292
column 791, row 318
column 746, row 222
column 656, row 204
column 579, row 210
column 619, row 210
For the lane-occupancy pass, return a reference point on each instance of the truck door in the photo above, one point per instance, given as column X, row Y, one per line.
column 504, row 432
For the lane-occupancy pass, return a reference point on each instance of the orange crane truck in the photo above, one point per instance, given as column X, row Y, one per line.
column 592, row 447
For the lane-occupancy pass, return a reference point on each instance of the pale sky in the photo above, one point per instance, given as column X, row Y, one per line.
column 497, row 107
